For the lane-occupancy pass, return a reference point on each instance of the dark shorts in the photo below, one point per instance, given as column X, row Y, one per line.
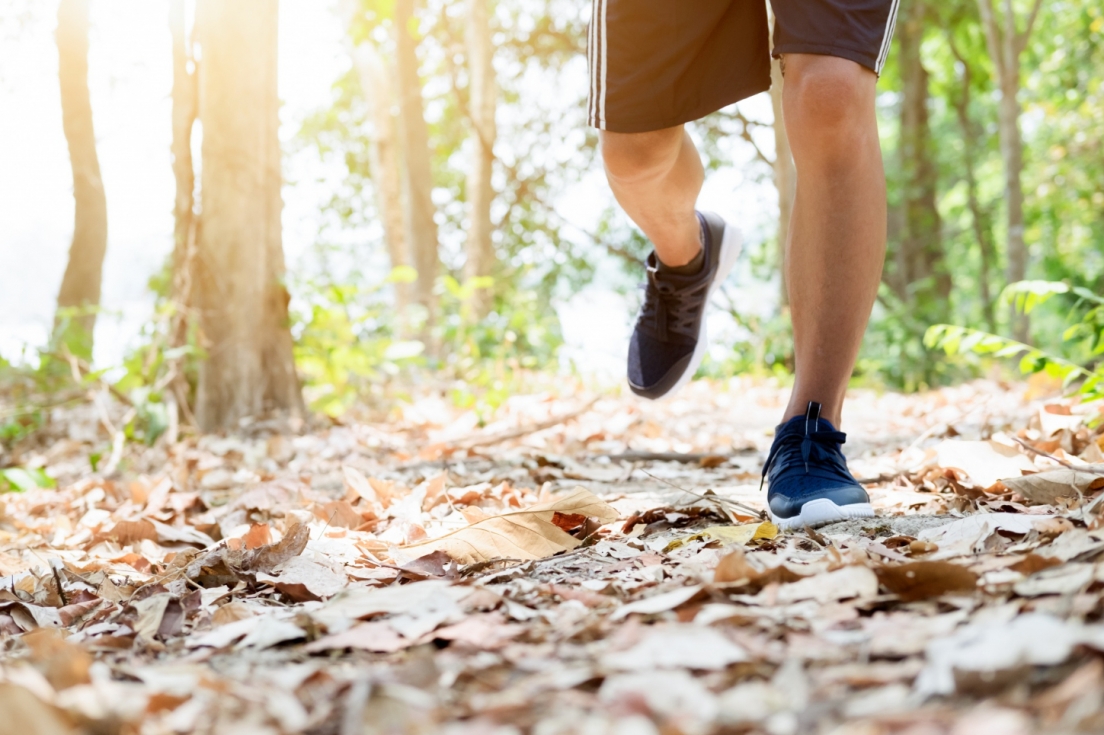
column 655, row 64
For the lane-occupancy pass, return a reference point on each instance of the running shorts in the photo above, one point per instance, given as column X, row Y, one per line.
column 656, row 64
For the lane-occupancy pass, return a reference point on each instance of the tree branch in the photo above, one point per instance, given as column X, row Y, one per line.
column 1023, row 37
column 993, row 36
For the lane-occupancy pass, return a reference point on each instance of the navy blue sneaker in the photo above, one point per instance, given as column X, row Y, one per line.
column 807, row 474
column 668, row 342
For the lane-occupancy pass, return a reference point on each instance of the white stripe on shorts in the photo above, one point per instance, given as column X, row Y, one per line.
column 605, row 49
column 891, row 22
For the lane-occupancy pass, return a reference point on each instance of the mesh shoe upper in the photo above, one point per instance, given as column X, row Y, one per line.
column 669, row 325
column 806, row 463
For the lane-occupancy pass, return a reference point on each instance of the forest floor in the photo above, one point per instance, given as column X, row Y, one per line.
column 579, row 563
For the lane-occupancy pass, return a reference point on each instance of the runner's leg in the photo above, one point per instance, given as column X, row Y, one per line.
column 838, row 233
column 656, row 178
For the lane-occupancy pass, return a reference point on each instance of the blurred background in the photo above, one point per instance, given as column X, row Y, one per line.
column 214, row 210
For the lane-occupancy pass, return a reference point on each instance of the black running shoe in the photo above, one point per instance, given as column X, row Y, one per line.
column 810, row 484
column 669, row 340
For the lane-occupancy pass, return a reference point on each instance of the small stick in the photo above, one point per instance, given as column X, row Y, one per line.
column 740, row 506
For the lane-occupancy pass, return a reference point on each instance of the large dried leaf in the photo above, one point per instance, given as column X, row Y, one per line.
column 26, row 714
column 983, row 462
column 925, row 579
column 521, row 534
column 1044, row 488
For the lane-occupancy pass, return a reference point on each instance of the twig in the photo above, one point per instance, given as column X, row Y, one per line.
column 736, row 504
column 661, row 457
column 1089, row 469
column 531, row 429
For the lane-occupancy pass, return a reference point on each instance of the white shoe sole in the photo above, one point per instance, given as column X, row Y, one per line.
column 730, row 252
column 821, row 512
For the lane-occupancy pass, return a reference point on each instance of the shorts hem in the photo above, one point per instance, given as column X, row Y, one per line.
column 650, row 125
column 859, row 57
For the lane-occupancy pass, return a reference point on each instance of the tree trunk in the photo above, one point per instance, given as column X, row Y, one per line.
column 483, row 103
column 384, row 158
column 1006, row 44
column 419, row 210
column 80, row 286
column 184, row 110
column 922, row 272
column 242, row 303
column 785, row 174
column 980, row 218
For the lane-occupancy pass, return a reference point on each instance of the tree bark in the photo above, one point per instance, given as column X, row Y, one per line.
column 386, row 168
column 80, row 286
column 785, row 174
column 980, row 218
column 242, row 303
column 920, row 258
column 184, row 111
column 1006, row 44
column 483, row 104
column 419, row 210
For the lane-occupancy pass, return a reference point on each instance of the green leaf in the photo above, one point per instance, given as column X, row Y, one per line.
column 22, row 479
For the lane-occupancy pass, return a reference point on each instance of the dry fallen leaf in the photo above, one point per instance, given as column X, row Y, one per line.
column 26, row 714
column 983, row 462
column 520, row 534
column 1044, row 488
column 729, row 535
column 677, row 646
column 922, row 580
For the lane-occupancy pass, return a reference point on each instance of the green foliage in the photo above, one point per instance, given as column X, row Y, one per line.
column 353, row 348
column 1083, row 337
column 21, row 479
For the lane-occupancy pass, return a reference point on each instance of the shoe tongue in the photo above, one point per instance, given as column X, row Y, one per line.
column 798, row 424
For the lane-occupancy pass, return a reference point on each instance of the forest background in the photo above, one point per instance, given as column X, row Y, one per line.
column 418, row 204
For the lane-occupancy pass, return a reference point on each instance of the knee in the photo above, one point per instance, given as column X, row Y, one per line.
column 632, row 157
column 825, row 96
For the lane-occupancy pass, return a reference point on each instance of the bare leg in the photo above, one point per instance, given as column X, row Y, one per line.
column 838, row 232
column 656, row 178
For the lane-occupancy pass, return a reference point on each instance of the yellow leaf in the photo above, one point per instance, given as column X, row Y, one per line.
column 729, row 535
column 520, row 534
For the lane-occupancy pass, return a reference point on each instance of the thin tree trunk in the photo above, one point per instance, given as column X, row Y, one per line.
column 1006, row 44
column 242, row 303
column 980, row 218
column 80, row 286
column 483, row 103
column 419, row 210
column 920, row 247
column 383, row 155
column 184, row 111
column 785, row 174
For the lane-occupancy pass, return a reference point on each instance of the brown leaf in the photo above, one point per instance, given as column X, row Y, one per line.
column 486, row 632
column 26, row 714
column 63, row 664
column 431, row 565
column 1034, row 563
column 340, row 514
column 568, row 521
column 126, row 533
column 304, row 580
column 1044, row 488
column 375, row 636
column 259, row 535
column 712, row 460
column 521, row 534
column 734, row 568
column 923, row 580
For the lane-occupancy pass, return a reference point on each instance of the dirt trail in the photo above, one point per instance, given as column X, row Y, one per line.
column 580, row 563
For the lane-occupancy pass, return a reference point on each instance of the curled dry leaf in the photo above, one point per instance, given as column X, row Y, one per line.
column 521, row 534
column 922, row 580
column 1045, row 488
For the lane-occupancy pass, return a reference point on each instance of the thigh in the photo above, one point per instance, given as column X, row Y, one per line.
column 858, row 30
column 659, row 63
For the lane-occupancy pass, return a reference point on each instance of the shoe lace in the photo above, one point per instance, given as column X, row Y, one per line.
column 818, row 447
column 669, row 308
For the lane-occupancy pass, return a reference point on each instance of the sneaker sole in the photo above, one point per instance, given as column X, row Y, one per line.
column 821, row 512
column 731, row 244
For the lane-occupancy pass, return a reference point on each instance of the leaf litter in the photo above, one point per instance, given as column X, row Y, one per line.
column 563, row 569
